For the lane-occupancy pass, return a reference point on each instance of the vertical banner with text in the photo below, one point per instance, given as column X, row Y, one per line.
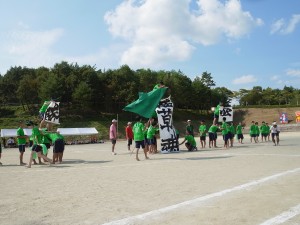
column 167, row 131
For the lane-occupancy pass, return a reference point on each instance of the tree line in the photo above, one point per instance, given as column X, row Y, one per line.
column 86, row 89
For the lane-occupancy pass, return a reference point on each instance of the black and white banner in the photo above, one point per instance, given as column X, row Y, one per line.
column 52, row 113
column 167, row 131
column 226, row 112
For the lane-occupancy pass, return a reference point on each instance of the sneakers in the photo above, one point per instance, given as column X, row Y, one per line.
column 113, row 153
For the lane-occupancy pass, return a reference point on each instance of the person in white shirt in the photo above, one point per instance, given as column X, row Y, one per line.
column 275, row 130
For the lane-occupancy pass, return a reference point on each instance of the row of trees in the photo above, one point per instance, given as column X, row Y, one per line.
column 89, row 89
column 109, row 91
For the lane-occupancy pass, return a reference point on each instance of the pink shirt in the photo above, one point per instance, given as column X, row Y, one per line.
column 112, row 132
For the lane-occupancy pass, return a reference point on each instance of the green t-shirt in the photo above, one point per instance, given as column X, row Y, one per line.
column 55, row 136
column 44, row 106
column 45, row 137
column 138, row 131
column 20, row 132
column 190, row 129
column 217, row 110
column 190, row 139
column 264, row 129
column 151, row 132
column 232, row 129
column 252, row 129
column 239, row 129
column 213, row 129
column 37, row 136
column 224, row 128
column 256, row 129
column 202, row 130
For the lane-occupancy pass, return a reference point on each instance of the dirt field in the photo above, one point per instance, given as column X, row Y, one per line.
column 249, row 184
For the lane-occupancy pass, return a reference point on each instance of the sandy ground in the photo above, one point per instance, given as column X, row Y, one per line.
column 248, row 184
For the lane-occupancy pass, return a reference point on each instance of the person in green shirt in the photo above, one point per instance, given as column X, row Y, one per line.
column 239, row 132
column 202, row 132
column 264, row 130
column 139, row 137
column 21, row 140
column 217, row 112
column 58, row 142
column 190, row 142
column 257, row 132
column 42, row 112
column 225, row 130
column 30, row 125
column 189, row 128
column 269, row 131
column 252, row 132
column 37, row 148
column 152, row 129
column 212, row 135
column 231, row 133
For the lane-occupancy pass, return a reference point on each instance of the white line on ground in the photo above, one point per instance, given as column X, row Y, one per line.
column 141, row 217
column 283, row 217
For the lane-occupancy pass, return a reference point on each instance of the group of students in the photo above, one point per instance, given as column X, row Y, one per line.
column 144, row 136
column 40, row 141
column 228, row 132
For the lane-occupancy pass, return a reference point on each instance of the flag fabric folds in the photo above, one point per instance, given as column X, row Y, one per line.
column 146, row 104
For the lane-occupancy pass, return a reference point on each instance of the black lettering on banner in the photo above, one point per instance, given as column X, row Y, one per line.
column 226, row 112
column 52, row 113
column 169, row 144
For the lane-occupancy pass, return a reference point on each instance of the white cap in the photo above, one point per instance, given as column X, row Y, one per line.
column 189, row 120
column 129, row 123
column 114, row 120
column 274, row 123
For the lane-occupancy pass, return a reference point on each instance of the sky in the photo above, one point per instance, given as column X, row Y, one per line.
column 242, row 43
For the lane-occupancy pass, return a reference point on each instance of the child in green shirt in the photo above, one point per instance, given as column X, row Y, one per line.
column 202, row 131
column 190, row 142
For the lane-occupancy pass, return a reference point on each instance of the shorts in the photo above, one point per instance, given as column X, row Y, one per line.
column 212, row 136
column 240, row 136
column 36, row 148
column 226, row 137
column 265, row 135
column 22, row 148
column 113, row 141
column 252, row 135
column 129, row 142
column 189, row 146
column 230, row 135
column 59, row 146
column 275, row 134
column 202, row 138
column 139, row 144
column 151, row 141
column 30, row 143
column 216, row 116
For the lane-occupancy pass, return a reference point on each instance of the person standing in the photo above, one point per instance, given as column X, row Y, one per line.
column 239, row 132
column 0, row 151
column 264, row 131
column 202, row 131
column 21, row 140
column 139, row 137
column 113, row 135
column 212, row 135
column 225, row 130
column 275, row 133
column 58, row 142
column 129, row 135
column 189, row 128
column 231, row 133
column 252, row 132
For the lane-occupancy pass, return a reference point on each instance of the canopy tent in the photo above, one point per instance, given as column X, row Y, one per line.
column 63, row 131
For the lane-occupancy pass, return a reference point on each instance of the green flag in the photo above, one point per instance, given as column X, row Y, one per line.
column 147, row 103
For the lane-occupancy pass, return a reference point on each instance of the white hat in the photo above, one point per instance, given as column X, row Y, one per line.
column 189, row 120
column 129, row 123
column 114, row 120
column 274, row 123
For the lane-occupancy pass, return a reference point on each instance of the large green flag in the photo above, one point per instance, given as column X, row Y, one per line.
column 146, row 104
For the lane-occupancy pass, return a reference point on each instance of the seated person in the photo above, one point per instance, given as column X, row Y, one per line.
column 190, row 142
column 11, row 142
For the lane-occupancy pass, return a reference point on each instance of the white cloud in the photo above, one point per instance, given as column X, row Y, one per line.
column 282, row 27
column 28, row 48
column 167, row 30
column 293, row 73
column 244, row 80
